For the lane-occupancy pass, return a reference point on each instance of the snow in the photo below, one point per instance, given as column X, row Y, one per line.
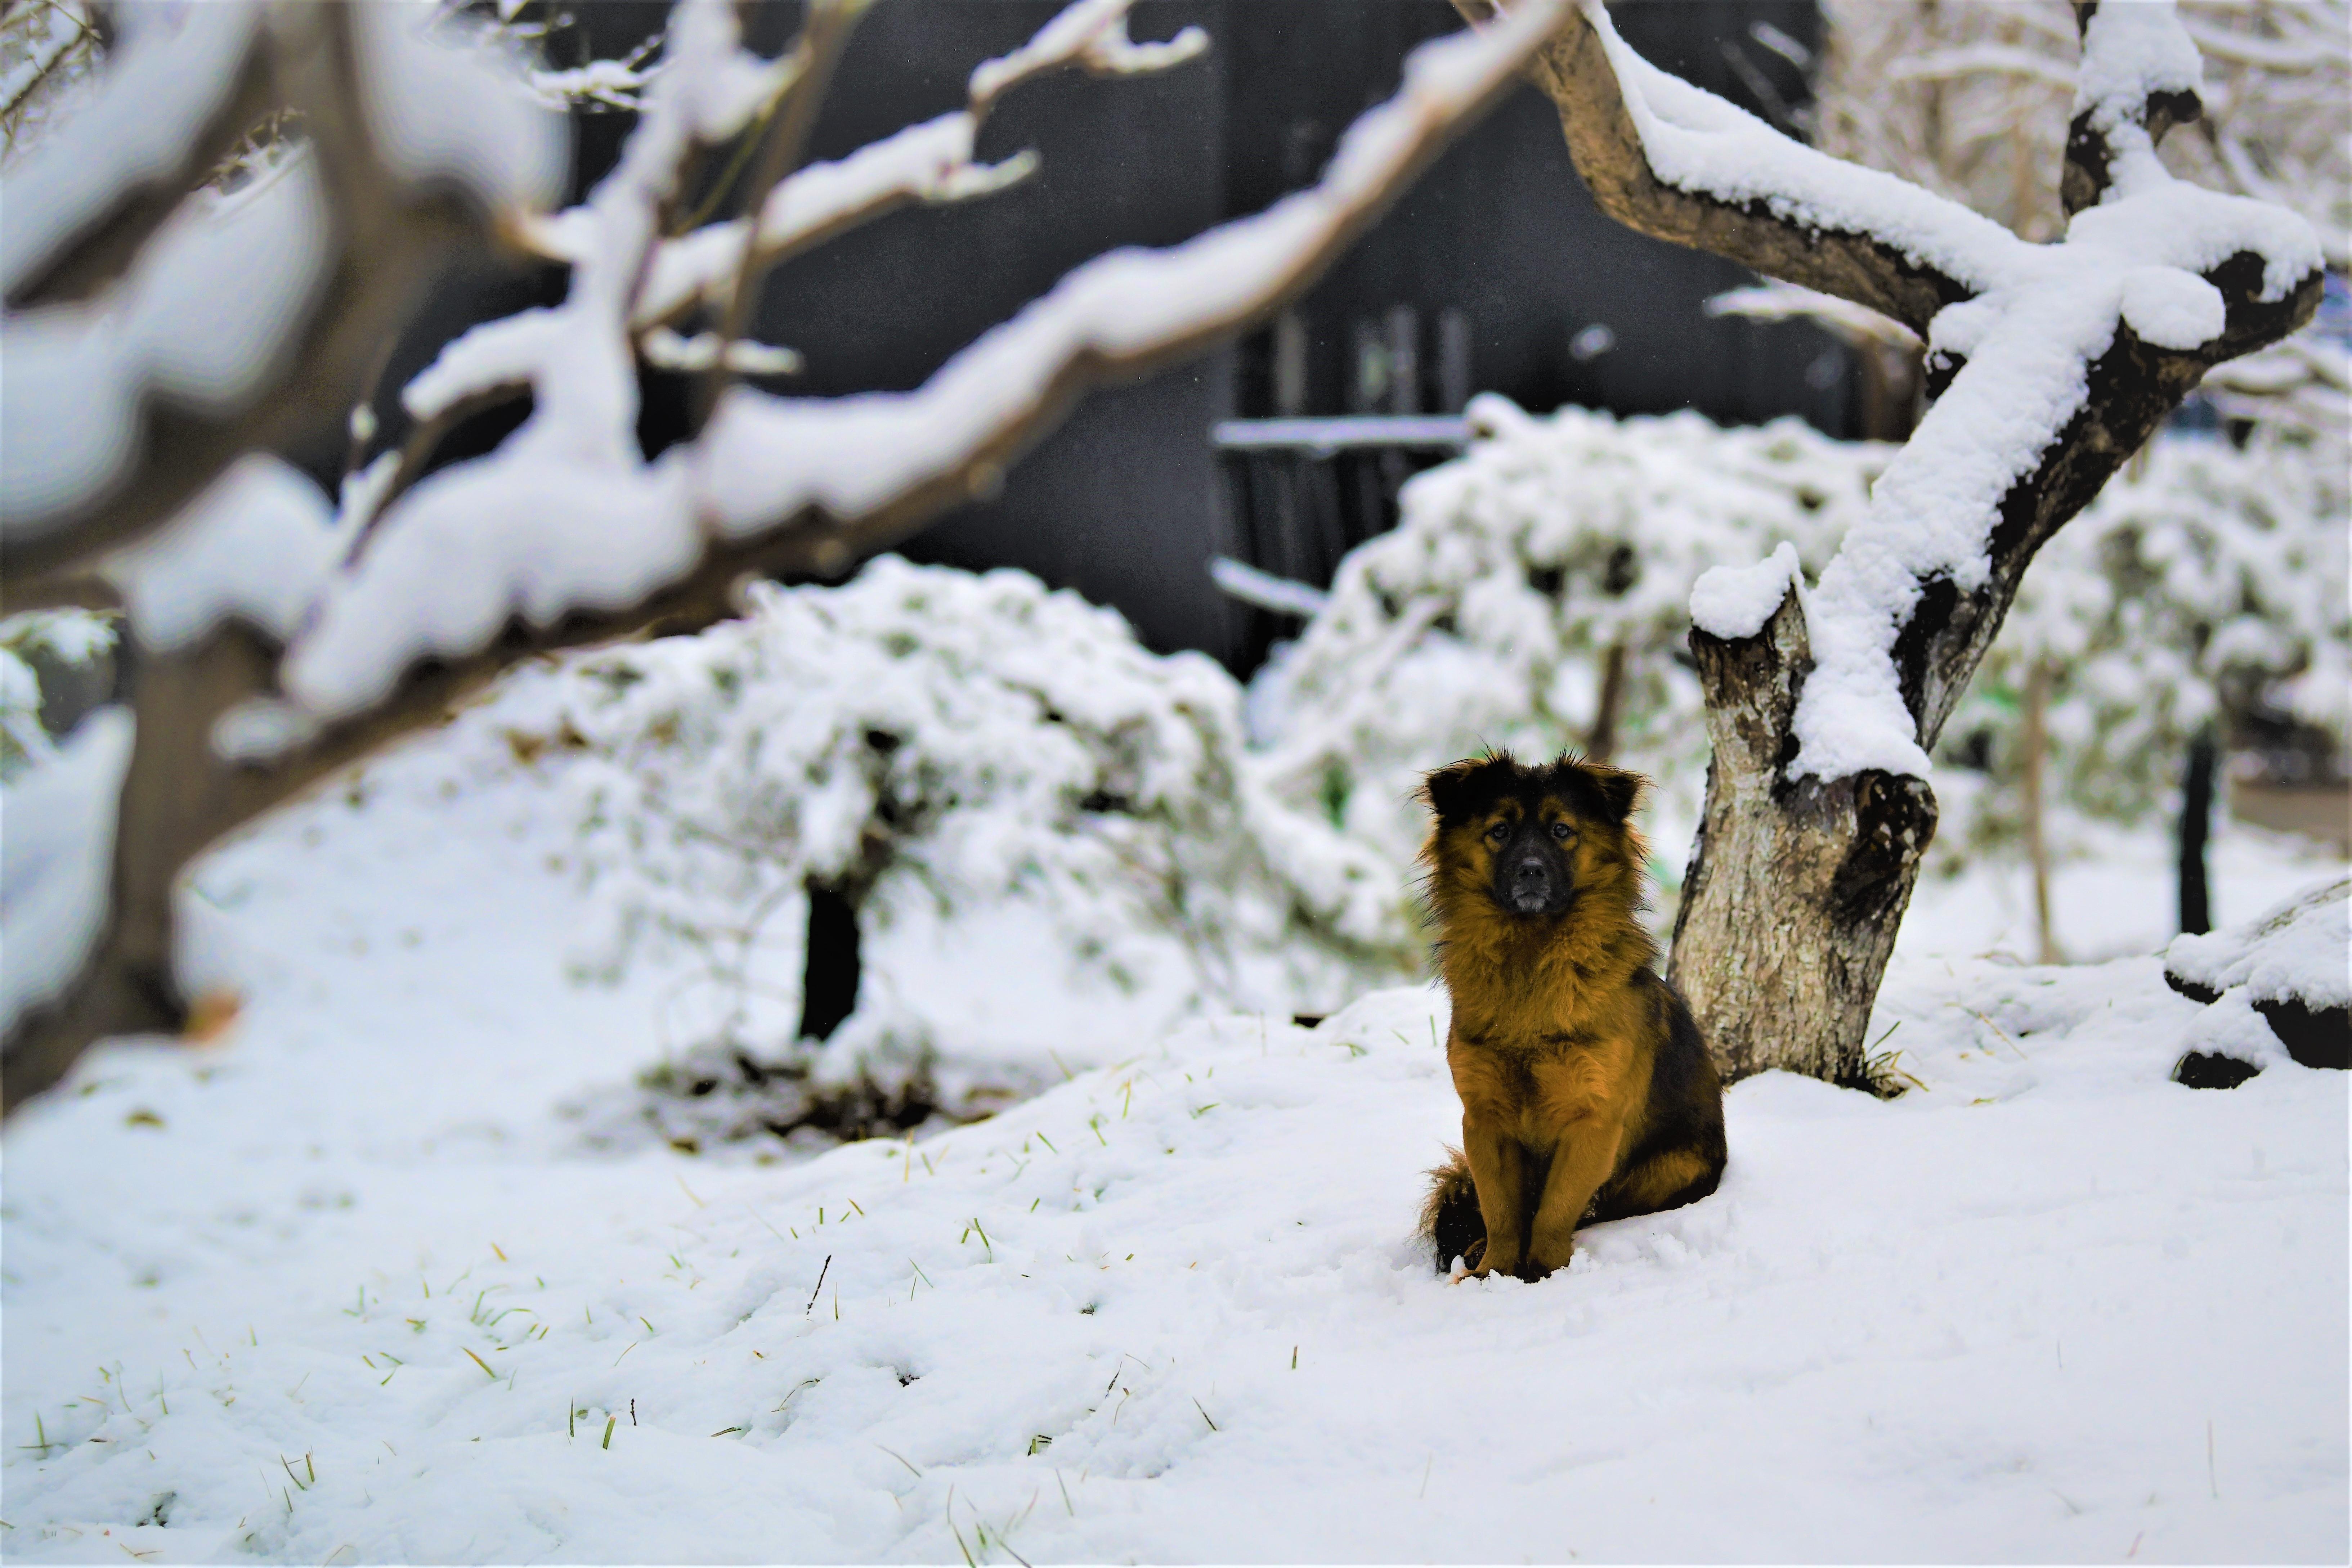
column 198, row 322
column 54, row 877
column 176, row 68
column 1772, row 301
column 1735, row 601
column 1696, row 141
column 1093, row 31
column 2298, row 951
column 2131, row 53
column 930, row 161
column 438, row 113
column 179, row 584
column 2050, row 1306
column 1239, row 579
column 2171, row 309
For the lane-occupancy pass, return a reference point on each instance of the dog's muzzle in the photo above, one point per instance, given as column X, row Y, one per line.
column 1531, row 886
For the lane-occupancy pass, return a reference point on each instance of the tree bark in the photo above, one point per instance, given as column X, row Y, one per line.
column 1602, row 740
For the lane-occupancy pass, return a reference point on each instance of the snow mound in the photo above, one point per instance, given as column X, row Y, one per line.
column 1735, row 601
column 2297, row 951
column 2277, row 987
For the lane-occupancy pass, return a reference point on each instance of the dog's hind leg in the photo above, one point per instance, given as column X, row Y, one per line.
column 1666, row 1179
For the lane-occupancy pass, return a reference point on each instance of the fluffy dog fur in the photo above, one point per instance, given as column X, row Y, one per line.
column 1587, row 1093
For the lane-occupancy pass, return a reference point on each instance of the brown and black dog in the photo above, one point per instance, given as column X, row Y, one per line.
column 1587, row 1093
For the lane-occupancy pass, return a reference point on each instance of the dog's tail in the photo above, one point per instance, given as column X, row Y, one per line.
column 1450, row 1220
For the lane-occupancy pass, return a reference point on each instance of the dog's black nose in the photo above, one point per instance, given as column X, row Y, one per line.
column 1528, row 870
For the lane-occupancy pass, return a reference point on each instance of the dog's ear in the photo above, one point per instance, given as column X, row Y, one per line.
column 1446, row 791
column 1620, row 790
column 1455, row 791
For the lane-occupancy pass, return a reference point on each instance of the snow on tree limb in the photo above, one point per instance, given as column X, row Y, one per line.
column 2141, row 76
column 931, row 162
column 810, row 485
column 176, row 99
column 1682, row 166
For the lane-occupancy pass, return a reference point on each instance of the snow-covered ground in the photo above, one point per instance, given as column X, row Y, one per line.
column 345, row 1287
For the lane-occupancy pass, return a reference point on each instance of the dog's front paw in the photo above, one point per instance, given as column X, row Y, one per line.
column 1495, row 1261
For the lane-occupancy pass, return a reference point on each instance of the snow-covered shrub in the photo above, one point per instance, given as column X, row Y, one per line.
column 2207, row 579
column 926, row 742
column 1488, row 617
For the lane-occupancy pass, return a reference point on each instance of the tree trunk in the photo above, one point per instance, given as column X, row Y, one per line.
column 1795, row 890
column 2196, row 826
column 2037, row 837
column 1603, row 738
column 1796, row 886
column 831, row 967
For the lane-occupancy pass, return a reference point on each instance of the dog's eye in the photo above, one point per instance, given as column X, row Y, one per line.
column 1560, row 830
column 1499, row 832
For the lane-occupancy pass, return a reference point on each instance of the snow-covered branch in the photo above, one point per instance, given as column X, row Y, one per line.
column 2051, row 361
column 282, row 641
column 159, row 329
column 932, row 161
column 1678, row 163
column 807, row 486
column 2141, row 76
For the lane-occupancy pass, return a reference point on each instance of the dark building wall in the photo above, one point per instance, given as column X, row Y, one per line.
column 1502, row 229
